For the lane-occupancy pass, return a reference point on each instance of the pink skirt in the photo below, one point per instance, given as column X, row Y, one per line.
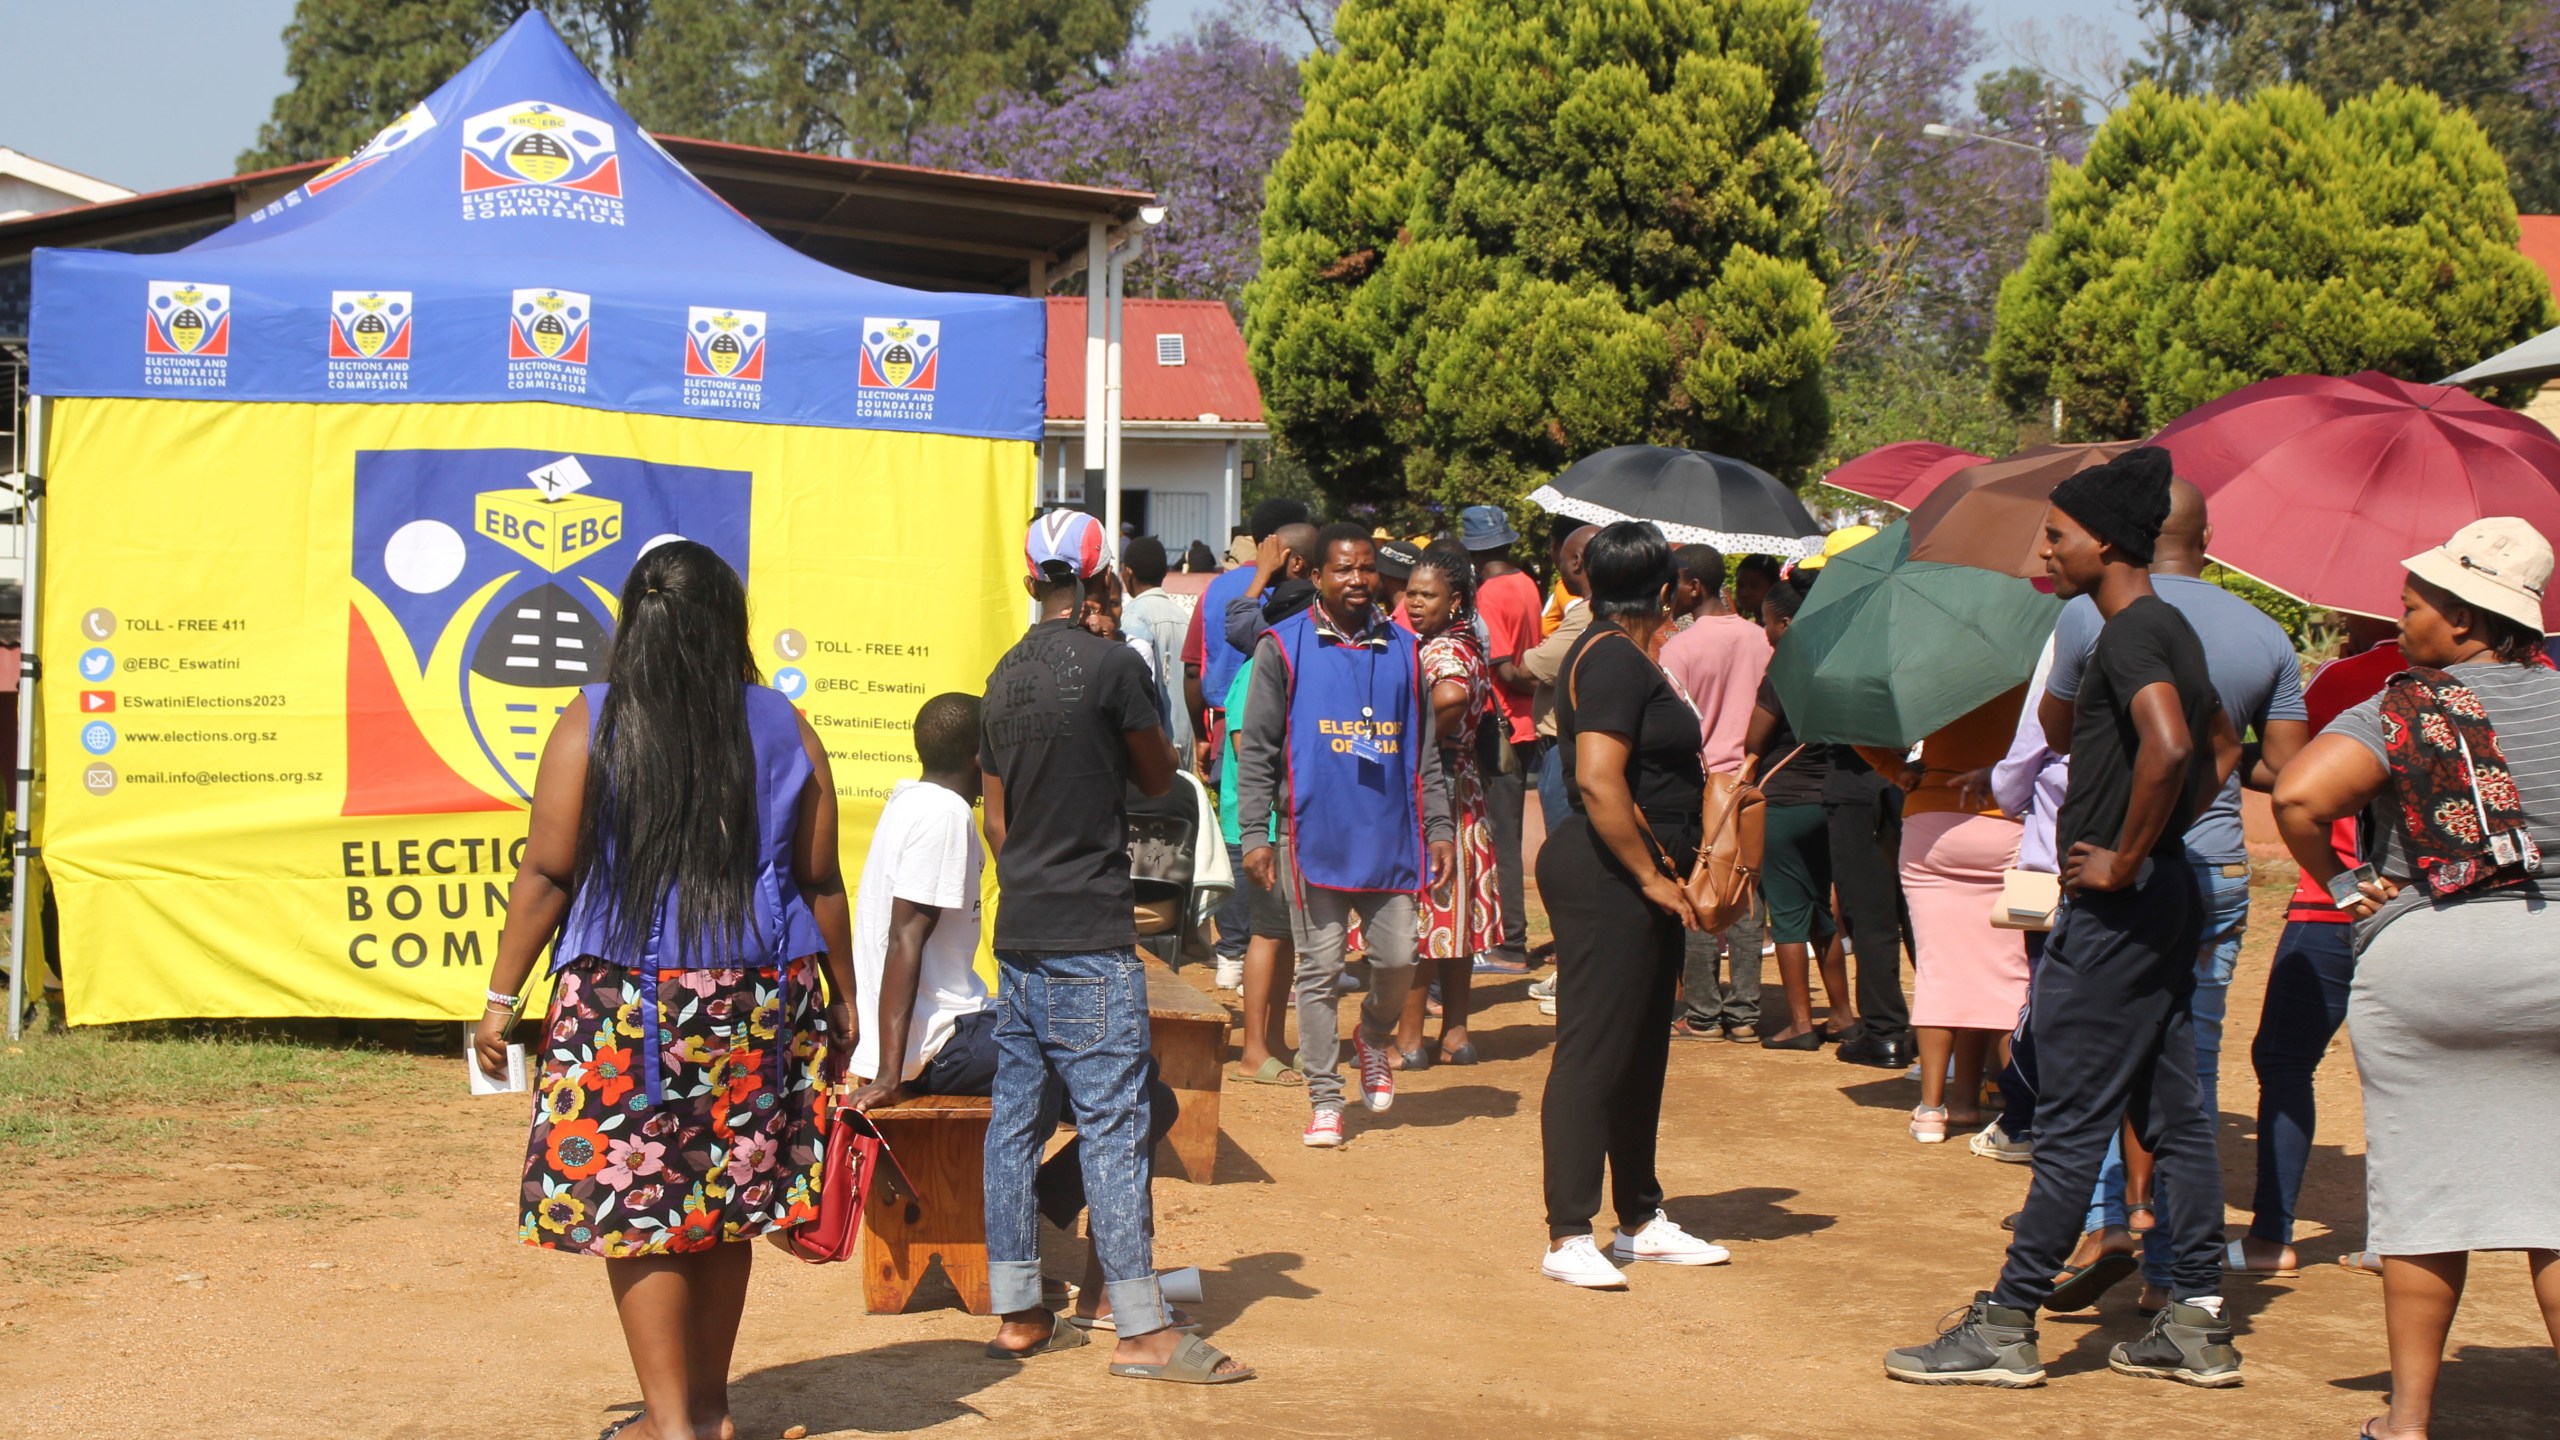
column 1967, row 975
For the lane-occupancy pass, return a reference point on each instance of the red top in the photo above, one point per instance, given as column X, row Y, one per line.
column 1512, row 609
column 2336, row 688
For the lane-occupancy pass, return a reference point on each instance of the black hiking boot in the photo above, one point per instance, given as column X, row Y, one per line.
column 2186, row 1343
column 1989, row 1345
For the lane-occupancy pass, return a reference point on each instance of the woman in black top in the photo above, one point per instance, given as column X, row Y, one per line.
column 1629, row 748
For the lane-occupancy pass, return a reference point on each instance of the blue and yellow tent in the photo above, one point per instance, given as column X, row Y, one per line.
column 340, row 500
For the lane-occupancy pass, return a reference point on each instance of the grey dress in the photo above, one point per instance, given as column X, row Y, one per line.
column 2455, row 1016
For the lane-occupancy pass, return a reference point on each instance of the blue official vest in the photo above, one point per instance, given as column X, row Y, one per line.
column 1355, row 789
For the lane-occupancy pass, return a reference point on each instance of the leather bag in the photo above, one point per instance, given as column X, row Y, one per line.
column 854, row 1155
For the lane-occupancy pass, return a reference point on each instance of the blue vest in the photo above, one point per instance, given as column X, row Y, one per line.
column 1355, row 790
column 780, row 926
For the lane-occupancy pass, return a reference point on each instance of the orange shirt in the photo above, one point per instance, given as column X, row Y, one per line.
column 1973, row 741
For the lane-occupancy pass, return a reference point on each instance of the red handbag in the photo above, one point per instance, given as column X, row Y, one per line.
column 855, row 1152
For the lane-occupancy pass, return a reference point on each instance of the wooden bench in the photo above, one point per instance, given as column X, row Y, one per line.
column 941, row 1142
column 1188, row 1033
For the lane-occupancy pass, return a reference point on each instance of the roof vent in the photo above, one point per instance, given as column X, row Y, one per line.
column 1168, row 349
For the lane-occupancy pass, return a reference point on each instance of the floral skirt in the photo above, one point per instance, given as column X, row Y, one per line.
column 731, row 1147
column 1471, row 922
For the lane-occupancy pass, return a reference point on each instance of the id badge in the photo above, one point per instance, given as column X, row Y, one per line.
column 1366, row 751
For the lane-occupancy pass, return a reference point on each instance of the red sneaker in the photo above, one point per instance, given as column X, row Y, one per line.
column 1324, row 1130
column 1377, row 1081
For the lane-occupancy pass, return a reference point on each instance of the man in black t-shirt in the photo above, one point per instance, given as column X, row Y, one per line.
column 2150, row 747
column 1069, row 721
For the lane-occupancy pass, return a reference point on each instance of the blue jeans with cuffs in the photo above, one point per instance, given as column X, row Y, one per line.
column 1072, row 1030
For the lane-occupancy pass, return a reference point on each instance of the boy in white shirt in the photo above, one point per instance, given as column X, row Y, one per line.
column 916, row 921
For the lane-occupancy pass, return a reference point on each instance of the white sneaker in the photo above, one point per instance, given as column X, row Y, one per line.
column 1324, row 1130
column 1231, row 974
column 1543, row 989
column 1664, row 1243
column 1579, row 1262
column 1377, row 1081
column 1547, row 1006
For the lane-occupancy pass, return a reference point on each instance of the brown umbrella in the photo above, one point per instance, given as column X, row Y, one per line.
column 1991, row 516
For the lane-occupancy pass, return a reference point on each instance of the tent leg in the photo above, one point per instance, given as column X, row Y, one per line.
column 23, row 853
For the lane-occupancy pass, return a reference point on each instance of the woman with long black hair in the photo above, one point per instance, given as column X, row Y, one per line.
column 682, row 861
column 1611, row 875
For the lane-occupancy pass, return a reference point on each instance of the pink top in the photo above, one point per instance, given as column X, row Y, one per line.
column 1717, row 663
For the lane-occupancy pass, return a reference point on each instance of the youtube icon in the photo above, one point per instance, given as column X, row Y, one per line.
column 97, row 702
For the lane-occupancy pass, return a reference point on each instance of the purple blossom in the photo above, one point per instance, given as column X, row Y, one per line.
column 1198, row 120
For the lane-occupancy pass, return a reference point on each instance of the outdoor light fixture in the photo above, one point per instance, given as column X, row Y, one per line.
column 1152, row 214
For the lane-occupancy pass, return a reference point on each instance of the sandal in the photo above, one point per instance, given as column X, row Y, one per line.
column 1415, row 1060
column 1194, row 1362
column 618, row 1426
column 2150, row 1217
column 1272, row 1072
column 2235, row 1261
column 1463, row 1055
column 2080, row 1286
column 1061, row 1337
column 2362, row 1262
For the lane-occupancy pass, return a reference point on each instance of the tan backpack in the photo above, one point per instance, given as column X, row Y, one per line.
column 1733, row 837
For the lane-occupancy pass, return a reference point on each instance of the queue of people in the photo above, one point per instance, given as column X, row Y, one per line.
column 1373, row 716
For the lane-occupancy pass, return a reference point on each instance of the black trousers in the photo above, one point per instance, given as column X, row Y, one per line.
column 2115, row 1037
column 1506, row 798
column 966, row 1065
column 1618, row 963
column 1866, row 871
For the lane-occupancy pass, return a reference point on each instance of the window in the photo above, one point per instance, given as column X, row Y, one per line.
column 1168, row 349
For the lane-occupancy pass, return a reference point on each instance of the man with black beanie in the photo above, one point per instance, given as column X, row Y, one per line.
column 2150, row 746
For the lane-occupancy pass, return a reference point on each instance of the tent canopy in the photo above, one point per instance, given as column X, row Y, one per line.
column 517, row 237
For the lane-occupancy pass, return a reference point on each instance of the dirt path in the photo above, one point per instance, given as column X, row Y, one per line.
column 330, row 1273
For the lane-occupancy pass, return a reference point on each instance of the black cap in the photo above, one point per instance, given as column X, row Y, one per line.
column 2123, row 502
column 1396, row 557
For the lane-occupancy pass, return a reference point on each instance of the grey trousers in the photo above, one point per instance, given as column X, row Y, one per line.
column 1506, row 800
column 1710, row 999
column 1318, row 919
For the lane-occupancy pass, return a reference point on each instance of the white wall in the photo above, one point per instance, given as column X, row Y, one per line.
column 1180, row 468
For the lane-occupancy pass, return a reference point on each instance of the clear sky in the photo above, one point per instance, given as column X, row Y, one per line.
column 154, row 93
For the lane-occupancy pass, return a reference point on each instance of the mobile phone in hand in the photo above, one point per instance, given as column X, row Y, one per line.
column 2343, row 889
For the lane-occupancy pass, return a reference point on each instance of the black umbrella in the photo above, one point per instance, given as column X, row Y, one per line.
column 1694, row 497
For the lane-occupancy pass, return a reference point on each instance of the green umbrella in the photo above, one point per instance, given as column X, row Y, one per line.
column 1887, row 648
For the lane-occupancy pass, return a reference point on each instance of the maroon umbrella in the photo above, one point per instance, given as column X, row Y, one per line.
column 1901, row 474
column 2321, row 486
column 1991, row 515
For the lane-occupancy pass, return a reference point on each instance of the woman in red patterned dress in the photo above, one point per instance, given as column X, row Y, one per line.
column 1464, row 919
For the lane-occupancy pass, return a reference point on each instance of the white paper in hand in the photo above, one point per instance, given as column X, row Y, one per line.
column 481, row 1084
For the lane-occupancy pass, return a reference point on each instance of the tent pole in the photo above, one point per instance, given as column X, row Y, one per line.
column 1097, row 266
column 1117, row 285
column 22, row 853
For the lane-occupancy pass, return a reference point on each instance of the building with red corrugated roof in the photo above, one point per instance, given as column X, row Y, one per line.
column 1188, row 403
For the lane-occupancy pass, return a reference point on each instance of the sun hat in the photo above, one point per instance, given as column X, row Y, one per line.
column 2500, row 564
column 1838, row 540
column 1486, row 527
column 1240, row 551
column 1065, row 545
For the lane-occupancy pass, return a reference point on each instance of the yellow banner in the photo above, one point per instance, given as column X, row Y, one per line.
column 299, row 661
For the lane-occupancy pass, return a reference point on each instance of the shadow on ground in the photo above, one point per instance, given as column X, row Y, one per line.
column 1756, row 1214
column 892, row 1389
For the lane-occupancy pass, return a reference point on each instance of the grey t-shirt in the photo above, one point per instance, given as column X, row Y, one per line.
column 2253, row 668
column 2523, row 702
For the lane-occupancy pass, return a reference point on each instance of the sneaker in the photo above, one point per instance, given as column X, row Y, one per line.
column 1579, row 1262
column 1324, row 1130
column 1547, row 1006
column 2186, row 1343
column 1989, row 1345
column 1929, row 1124
column 1994, row 1144
column 1377, row 1080
column 1230, row 973
column 1543, row 990
column 1664, row 1243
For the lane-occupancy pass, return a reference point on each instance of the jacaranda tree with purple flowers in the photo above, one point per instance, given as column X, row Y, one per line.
column 1197, row 120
